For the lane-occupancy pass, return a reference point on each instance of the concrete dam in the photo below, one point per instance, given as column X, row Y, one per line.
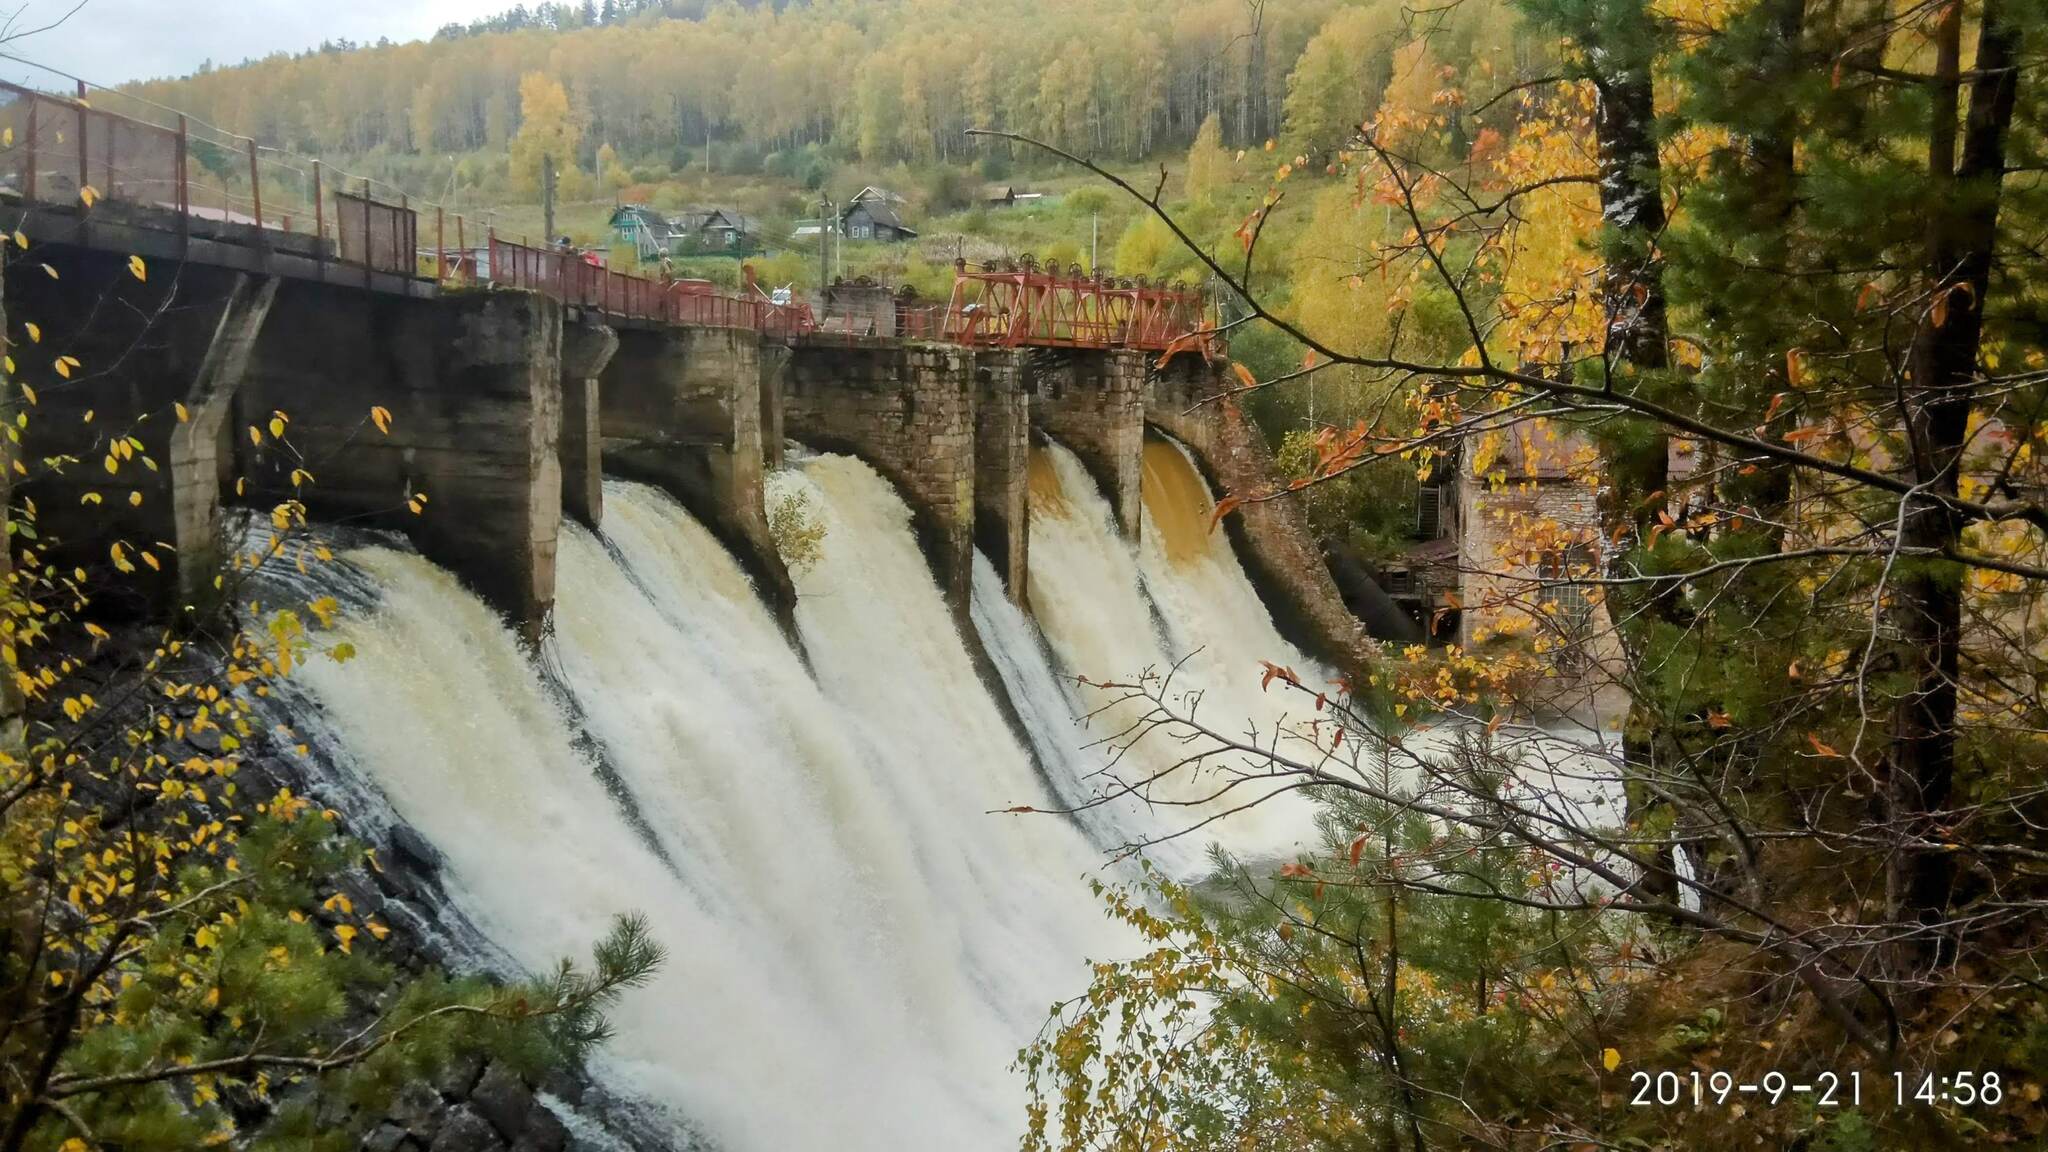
column 593, row 676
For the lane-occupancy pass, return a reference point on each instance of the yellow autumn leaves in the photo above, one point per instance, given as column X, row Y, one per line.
column 118, row 553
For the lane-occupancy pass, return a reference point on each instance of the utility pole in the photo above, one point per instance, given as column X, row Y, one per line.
column 547, row 197
column 824, row 242
column 1094, row 242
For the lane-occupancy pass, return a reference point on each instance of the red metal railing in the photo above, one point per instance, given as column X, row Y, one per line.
column 569, row 277
column 380, row 237
column 53, row 148
column 68, row 150
column 1018, row 304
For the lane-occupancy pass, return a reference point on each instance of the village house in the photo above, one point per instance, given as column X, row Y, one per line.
column 698, row 231
column 716, row 230
column 647, row 232
column 873, row 215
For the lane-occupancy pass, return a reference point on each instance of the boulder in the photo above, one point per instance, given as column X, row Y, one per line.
column 418, row 1109
column 504, row 1099
column 465, row 1131
column 459, row 1078
column 391, row 1138
column 544, row 1133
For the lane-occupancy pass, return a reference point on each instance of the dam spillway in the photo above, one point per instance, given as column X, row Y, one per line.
column 860, row 938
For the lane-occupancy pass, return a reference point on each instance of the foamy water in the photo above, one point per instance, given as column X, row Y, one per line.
column 860, row 938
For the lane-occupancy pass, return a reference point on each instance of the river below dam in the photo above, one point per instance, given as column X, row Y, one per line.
column 860, row 936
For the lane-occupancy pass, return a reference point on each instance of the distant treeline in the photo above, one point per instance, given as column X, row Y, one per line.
column 883, row 80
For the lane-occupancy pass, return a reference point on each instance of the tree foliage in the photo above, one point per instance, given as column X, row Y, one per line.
column 182, row 963
column 1749, row 290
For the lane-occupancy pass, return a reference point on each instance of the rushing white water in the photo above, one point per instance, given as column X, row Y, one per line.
column 1107, row 618
column 1192, row 573
column 1049, row 713
column 857, row 948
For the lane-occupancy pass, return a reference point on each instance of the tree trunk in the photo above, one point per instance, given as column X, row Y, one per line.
column 1927, row 603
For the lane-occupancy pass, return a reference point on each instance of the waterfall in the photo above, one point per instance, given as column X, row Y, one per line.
column 1109, row 613
column 857, row 947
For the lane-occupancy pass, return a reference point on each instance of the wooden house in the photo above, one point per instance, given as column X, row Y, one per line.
column 647, row 232
column 874, row 218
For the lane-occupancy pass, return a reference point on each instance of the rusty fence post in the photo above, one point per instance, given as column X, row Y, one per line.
column 319, row 218
column 255, row 190
column 184, row 187
column 28, row 179
column 84, row 153
column 369, row 244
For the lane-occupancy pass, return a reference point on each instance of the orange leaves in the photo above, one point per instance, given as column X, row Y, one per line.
column 1821, row 748
column 1664, row 524
column 1248, row 228
column 1224, row 507
column 381, row 417
column 1795, row 368
column 1179, row 344
column 1276, row 672
column 1244, row 375
column 1938, row 311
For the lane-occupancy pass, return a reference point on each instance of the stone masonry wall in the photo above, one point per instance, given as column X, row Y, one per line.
column 1002, row 457
column 1504, row 602
column 1094, row 403
column 682, row 409
column 1271, row 537
column 473, row 385
column 908, row 410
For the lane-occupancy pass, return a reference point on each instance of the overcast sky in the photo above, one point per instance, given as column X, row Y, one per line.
column 109, row 41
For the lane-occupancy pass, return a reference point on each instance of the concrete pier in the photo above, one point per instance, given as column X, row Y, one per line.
column 1094, row 403
column 473, row 383
column 682, row 409
column 587, row 347
column 908, row 410
column 1002, row 458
